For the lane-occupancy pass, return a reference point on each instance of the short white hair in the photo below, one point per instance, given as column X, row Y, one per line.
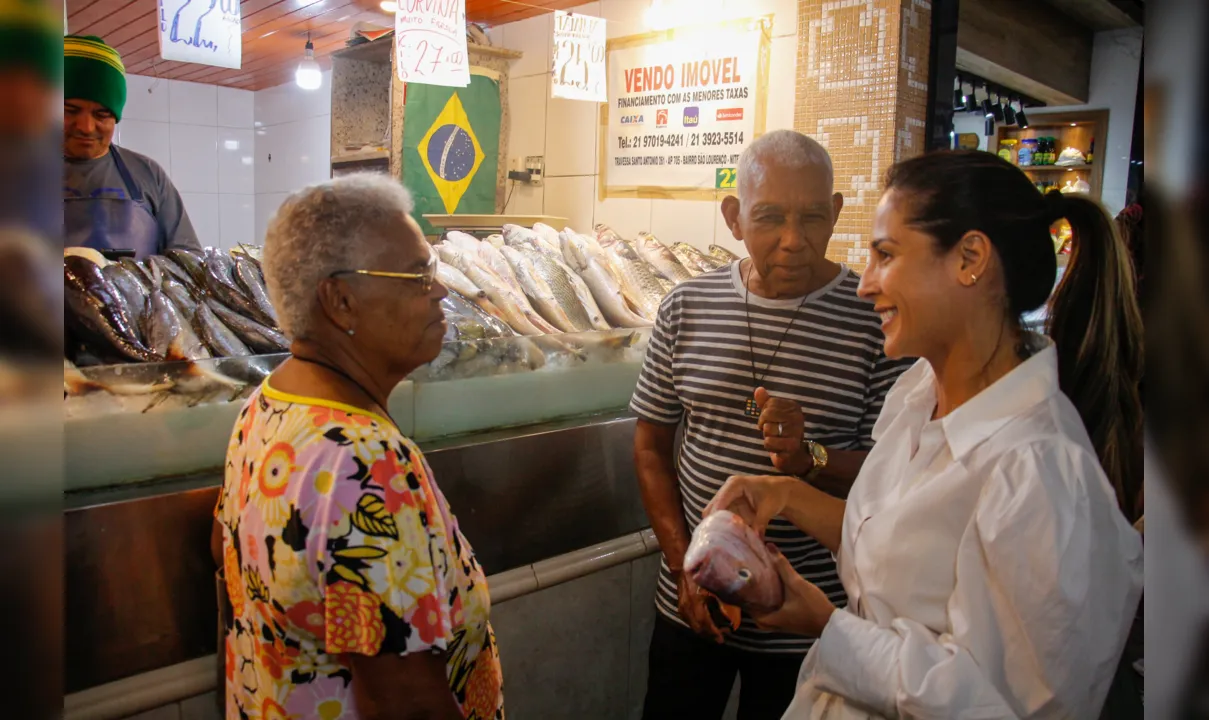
column 336, row 225
column 786, row 148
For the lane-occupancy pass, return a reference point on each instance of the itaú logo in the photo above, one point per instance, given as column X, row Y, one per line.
column 692, row 116
column 631, row 119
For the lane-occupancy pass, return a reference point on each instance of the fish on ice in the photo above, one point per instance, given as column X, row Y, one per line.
column 591, row 265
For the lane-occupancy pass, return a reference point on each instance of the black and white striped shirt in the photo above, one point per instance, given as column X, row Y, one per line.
column 698, row 368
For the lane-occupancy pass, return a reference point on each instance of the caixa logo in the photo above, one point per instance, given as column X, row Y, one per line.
column 631, row 119
column 661, row 117
column 692, row 116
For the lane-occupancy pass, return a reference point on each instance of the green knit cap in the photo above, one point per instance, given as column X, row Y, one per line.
column 29, row 37
column 93, row 71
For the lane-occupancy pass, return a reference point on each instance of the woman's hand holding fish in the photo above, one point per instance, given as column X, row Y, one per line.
column 784, row 425
column 766, row 494
column 806, row 608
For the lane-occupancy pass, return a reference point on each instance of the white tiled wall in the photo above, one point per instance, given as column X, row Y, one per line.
column 194, row 157
column 293, row 144
column 566, row 131
column 202, row 136
column 527, row 136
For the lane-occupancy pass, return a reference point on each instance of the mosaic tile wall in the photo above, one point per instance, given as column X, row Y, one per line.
column 361, row 92
column 862, row 85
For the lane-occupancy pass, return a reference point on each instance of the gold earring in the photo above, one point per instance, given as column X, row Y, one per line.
column 973, row 278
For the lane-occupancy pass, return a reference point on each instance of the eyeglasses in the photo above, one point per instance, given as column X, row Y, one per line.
column 426, row 278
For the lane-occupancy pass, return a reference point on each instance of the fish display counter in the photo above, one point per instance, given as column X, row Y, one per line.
column 522, row 417
column 512, row 427
column 132, row 423
column 542, row 324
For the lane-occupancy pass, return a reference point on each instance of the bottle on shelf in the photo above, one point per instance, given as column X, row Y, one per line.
column 1091, row 150
column 1007, row 149
column 1028, row 148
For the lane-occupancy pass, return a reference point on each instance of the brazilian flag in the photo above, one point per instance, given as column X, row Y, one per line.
column 451, row 144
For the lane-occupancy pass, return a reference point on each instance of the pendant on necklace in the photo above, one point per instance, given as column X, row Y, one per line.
column 751, row 409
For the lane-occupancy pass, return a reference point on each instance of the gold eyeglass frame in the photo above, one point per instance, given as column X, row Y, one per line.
column 426, row 278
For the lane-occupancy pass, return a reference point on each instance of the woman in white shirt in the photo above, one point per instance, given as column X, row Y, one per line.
column 990, row 569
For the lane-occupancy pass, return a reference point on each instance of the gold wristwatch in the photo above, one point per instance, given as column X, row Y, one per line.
column 818, row 454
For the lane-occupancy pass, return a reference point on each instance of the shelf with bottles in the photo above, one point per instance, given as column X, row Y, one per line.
column 1080, row 134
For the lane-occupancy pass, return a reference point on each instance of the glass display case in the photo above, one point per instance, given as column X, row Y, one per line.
column 138, row 422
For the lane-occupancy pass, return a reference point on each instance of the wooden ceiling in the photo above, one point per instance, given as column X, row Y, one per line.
column 1097, row 15
column 274, row 33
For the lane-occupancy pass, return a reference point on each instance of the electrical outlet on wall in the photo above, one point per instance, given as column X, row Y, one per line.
column 535, row 164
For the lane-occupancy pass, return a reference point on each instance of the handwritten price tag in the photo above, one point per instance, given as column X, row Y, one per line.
column 579, row 58
column 197, row 32
column 430, row 42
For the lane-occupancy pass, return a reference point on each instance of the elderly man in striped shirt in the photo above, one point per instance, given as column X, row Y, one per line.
column 772, row 365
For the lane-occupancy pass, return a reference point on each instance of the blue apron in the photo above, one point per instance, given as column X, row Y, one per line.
column 103, row 222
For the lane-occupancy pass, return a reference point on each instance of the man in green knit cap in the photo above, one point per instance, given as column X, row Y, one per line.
column 113, row 199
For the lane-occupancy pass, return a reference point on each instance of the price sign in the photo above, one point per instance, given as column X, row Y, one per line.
column 578, row 72
column 430, row 42
column 205, row 33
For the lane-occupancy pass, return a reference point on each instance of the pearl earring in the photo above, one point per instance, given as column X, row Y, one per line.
column 350, row 331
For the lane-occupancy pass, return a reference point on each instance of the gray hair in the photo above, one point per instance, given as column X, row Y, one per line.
column 787, row 148
column 335, row 225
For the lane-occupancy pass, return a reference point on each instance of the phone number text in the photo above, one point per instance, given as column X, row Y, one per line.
column 703, row 139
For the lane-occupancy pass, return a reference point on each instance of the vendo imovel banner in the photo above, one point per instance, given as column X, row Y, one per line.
column 682, row 106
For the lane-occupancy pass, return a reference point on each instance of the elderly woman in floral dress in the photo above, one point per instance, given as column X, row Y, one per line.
column 352, row 592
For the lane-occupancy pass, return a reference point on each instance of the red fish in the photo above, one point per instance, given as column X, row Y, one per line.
column 728, row 559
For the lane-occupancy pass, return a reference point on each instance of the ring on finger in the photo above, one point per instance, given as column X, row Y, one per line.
column 780, row 429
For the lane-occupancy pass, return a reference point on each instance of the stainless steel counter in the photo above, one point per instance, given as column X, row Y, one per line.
column 140, row 589
column 603, row 594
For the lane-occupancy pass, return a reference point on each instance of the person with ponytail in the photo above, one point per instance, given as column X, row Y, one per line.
column 1096, row 325
column 986, row 547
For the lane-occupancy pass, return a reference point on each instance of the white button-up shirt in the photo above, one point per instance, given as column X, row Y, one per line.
column 989, row 571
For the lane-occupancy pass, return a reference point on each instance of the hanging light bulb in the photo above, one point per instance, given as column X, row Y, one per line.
column 1021, row 119
column 1009, row 112
column 308, row 75
column 959, row 99
column 986, row 103
column 997, row 108
column 990, row 125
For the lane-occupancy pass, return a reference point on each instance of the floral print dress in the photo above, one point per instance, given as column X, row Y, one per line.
column 337, row 540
